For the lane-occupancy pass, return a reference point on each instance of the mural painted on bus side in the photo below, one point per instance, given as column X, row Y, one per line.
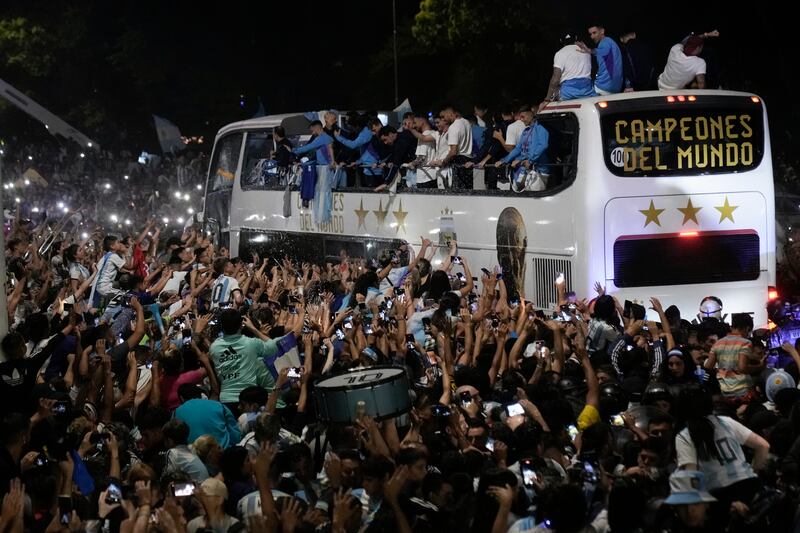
column 512, row 241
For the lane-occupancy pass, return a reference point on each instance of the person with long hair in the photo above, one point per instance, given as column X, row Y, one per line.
column 714, row 445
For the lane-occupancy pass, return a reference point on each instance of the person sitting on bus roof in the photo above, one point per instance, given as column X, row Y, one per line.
column 608, row 79
column 531, row 151
column 637, row 62
column 684, row 64
column 572, row 72
column 323, row 149
column 365, row 142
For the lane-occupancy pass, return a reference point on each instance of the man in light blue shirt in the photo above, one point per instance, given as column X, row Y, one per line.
column 322, row 146
column 608, row 79
column 365, row 142
column 531, row 153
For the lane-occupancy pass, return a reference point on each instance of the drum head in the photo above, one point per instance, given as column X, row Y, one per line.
column 366, row 377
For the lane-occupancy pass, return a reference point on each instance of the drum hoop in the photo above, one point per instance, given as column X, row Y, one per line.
column 388, row 379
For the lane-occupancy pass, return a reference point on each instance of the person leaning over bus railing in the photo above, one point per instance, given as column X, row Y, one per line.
column 403, row 145
column 492, row 150
column 531, row 150
column 366, row 142
column 459, row 142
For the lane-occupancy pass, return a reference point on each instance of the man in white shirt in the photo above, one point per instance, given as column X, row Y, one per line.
column 684, row 64
column 572, row 72
column 427, row 138
column 513, row 131
column 225, row 289
column 459, row 140
column 109, row 266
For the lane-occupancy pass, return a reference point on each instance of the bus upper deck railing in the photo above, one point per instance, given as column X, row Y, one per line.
column 455, row 177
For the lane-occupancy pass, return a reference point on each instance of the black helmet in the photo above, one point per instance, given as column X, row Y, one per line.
column 613, row 399
column 656, row 392
column 568, row 384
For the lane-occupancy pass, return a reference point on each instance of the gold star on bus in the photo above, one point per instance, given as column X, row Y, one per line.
column 689, row 212
column 362, row 213
column 400, row 215
column 726, row 210
column 651, row 214
column 381, row 213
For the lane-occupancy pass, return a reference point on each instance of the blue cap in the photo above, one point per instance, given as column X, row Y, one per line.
column 776, row 381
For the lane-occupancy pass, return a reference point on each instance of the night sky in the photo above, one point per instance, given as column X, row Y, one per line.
column 190, row 62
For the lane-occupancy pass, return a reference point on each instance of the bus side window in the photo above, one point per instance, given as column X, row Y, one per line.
column 257, row 172
column 562, row 150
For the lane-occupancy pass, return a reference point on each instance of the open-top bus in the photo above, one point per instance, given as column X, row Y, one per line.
column 666, row 194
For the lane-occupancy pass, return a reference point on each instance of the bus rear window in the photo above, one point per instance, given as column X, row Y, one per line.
column 707, row 135
column 675, row 259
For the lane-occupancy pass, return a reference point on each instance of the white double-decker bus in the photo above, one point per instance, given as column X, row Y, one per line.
column 666, row 194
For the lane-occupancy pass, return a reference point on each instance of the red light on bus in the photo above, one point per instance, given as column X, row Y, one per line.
column 670, row 99
column 772, row 293
column 681, row 98
column 691, row 98
column 755, row 99
column 603, row 105
column 689, row 234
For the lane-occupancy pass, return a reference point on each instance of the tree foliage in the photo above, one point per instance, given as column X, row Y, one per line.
column 25, row 46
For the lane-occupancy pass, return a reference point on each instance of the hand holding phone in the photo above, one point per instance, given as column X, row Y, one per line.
column 515, row 409
column 65, row 509
column 466, row 399
column 113, row 493
column 180, row 490
column 529, row 475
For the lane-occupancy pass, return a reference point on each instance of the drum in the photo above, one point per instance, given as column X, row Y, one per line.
column 383, row 389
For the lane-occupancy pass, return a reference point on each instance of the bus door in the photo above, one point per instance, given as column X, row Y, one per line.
column 221, row 176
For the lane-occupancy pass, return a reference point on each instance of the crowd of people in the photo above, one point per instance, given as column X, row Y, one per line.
column 153, row 384
column 101, row 188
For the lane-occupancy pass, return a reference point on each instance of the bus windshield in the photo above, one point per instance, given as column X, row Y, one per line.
column 682, row 135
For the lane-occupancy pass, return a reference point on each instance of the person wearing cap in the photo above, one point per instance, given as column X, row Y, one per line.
column 572, row 72
column 776, row 381
column 212, row 495
column 684, row 64
column 690, row 499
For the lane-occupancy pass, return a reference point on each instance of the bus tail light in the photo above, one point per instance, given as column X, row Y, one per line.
column 772, row 294
column 689, row 234
column 755, row 99
column 681, row 98
column 670, row 99
column 602, row 105
column 691, row 98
